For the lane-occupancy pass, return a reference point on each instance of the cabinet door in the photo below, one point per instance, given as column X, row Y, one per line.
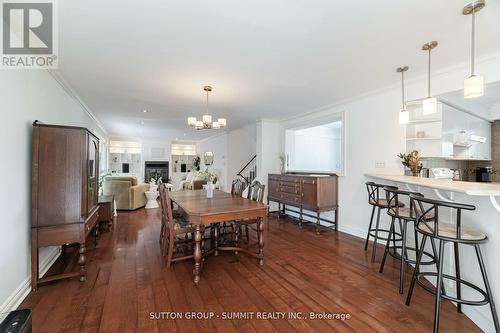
column 273, row 186
column 92, row 172
column 310, row 194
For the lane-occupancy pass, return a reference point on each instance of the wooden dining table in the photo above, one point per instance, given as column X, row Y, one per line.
column 222, row 207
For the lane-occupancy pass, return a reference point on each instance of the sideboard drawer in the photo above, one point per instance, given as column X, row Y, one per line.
column 288, row 197
column 290, row 189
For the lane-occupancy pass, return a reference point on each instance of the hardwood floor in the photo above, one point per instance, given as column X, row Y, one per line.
column 330, row 273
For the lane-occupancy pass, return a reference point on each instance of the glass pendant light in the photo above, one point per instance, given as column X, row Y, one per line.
column 429, row 104
column 474, row 84
column 404, row 115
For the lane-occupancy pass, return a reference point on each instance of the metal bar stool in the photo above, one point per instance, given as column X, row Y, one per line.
column 405, row 216
column 429, row 226
column 378, row 203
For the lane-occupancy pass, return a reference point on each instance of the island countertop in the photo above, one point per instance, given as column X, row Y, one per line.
column 470, row 188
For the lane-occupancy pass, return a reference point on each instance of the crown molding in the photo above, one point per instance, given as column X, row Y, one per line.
column 57, row 76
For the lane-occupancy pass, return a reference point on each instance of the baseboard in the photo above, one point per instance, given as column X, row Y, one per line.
column 16, row 298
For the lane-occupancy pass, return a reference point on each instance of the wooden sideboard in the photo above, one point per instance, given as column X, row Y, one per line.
column 64, row 207
column 315, row 193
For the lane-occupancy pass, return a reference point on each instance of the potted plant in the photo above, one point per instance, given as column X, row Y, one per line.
column 411, row 161
column 196, row 163
column 101, row 181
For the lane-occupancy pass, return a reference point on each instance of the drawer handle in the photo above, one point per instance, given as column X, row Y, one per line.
column 88, row 228
column 302, row 195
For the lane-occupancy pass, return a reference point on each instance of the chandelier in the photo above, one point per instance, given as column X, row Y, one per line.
column 206, row 122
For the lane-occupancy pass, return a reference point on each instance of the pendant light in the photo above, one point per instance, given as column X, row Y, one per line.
column 404, row 115
column 206, row 120
column 474, row 84
column 430, row 103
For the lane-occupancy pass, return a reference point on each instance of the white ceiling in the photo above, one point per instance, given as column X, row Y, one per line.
column 483, row 106
column 265, row 59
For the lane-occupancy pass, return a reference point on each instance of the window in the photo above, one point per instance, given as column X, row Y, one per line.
column 316, row 147
column 183, row 149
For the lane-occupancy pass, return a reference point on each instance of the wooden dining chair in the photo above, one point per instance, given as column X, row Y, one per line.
column 255, row 193
column 172, row 229
column 222, row 234
column 238, row 187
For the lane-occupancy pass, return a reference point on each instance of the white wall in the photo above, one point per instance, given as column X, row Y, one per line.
column 217, row 145
column 373, row 134
column 231, row 150
column 269, row 142
column 25, row 96
column 241, row 147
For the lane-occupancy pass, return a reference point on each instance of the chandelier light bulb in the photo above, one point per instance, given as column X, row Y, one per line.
column 192, row 121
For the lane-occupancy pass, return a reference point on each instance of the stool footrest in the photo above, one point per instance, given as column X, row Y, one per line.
column 371, row 232
column 451, row 298
column 411, row 261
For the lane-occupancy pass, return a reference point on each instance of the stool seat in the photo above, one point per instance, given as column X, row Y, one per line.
column 407, row 213
column 447, row 230
column 383, row 203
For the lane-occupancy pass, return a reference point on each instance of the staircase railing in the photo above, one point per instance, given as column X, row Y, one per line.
column 249, row 171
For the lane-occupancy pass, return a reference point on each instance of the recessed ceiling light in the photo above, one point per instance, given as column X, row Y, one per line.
column 144, row 111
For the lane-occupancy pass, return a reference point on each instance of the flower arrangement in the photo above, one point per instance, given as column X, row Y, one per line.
column 411, row 161
column 208, row 176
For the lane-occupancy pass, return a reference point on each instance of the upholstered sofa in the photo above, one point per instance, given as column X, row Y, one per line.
column 129, row 195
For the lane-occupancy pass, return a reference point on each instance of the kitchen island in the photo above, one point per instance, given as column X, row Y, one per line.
column 485, row 218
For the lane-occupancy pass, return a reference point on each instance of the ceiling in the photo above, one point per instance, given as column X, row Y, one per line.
column 265, row 59
column 482, row 106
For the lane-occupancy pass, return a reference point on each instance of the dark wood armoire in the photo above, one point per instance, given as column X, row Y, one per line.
column 65, row 170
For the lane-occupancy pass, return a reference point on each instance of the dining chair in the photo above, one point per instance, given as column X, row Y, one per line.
column 238, row 187
column 255, row 193
column 172, row 228
column 222, row 233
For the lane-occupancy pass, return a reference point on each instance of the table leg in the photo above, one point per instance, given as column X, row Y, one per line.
column 216, row 238
column 261, row 240
column 197, row 253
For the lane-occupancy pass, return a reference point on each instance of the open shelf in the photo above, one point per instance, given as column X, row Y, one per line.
column 424, row 121
column 424, row 138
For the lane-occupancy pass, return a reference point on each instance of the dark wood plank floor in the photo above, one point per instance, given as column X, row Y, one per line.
column 303, row 272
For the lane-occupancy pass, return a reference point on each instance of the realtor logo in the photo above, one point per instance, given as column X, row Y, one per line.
column 29, row 34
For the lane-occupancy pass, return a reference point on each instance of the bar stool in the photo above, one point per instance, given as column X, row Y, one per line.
column 378, row 203
column 429, row 226
column 405, row 216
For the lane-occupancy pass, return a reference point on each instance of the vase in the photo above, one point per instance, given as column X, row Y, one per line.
column 415, row 172
column 210, row 190
column 282, row 169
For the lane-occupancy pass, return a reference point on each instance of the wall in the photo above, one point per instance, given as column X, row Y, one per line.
column 372, row 134
column 217, row 145
column 241, row 147
column 231, row 150
column 25, row 96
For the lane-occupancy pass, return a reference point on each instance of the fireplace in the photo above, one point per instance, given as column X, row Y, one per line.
column 155, row 169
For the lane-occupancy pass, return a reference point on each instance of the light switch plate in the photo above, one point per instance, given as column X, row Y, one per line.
column 379, row 164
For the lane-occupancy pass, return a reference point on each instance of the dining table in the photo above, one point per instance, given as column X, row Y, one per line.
column 200, row 211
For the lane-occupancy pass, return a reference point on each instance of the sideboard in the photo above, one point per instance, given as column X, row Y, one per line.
column 314, row 193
